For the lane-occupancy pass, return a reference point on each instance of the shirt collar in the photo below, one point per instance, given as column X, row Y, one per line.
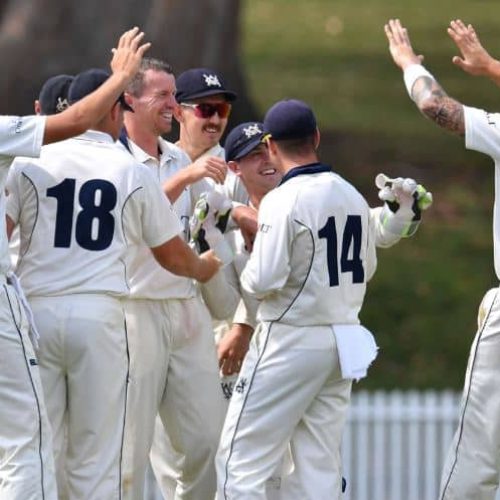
column 311, row 168
column 96, row 135
column 142, row 157
column 216, row 150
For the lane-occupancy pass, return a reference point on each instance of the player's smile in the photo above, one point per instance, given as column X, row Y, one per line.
column 268, row 171
column 167, row 116
column 213, row 129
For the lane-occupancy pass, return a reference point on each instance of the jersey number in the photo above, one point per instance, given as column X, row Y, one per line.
column 351, row 238
column 95, row 225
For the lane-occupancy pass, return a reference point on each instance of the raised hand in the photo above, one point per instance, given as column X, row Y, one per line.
column 399, row 44
column 475, row 59
column 211, row 166
column 404, row 201
column 127, row 56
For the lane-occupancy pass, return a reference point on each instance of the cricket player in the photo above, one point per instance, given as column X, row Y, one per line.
column 172, row 348
column 205, row 104
column 53, row 97
column 93, row 202
column 312, row 258
column 472, row 467
column 27, row 469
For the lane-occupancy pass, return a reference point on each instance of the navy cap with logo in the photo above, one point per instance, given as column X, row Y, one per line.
column 289, row 119
column 243, row 139
column 86, row 82
column 53, row 96
column 201, row 82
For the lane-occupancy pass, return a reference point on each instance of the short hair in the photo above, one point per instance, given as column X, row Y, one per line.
column 298, row 146
column 136, row 86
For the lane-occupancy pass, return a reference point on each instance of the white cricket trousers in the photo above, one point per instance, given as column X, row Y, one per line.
column 472, row 467
column 26, row 459
column 174, row 373
column 289, row 390
column 84, row 368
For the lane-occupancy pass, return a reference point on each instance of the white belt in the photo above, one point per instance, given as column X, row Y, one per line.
column 13, row 280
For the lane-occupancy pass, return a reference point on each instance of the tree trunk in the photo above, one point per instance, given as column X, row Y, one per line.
column 41, row 38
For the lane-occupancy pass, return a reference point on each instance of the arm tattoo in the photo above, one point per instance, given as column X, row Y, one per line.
column 435, row 104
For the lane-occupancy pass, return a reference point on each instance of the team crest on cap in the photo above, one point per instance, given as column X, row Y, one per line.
column 62, row 104
column 252, row 130
column 212, row 80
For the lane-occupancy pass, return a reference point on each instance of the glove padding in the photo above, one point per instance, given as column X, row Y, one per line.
column 404, row 202
column 207, row 224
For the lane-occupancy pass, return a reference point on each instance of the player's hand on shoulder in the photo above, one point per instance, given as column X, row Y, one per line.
column 404, row 201
column 211, row 166
column 127, row 56
column 399, row 44
column 233, row 348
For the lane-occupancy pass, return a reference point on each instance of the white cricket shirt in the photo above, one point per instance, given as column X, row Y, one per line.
column 314, row 251
column 148, row 279
column 482, row 133
column 81, row 206
column 19, row 136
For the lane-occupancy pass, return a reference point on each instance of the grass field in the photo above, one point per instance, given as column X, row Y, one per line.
column 422, row 303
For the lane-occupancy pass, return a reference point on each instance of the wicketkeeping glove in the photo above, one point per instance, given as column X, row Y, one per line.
column 404, row 201
column 209, row 220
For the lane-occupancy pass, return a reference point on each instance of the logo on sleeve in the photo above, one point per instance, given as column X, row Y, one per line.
column 491, row 119
column 18, row 125
column 264, row 228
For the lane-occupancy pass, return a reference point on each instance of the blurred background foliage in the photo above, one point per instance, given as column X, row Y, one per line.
column 422, row 303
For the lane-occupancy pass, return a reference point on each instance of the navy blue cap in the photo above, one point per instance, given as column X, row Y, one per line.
column 201, row 82
column 53, row 96
column 289, row 119
column 86, row 82
column 243, row 139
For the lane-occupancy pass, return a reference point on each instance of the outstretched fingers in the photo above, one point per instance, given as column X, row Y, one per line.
column 396, row 32
column 475, row 59
column 128, row 54
column 400, row 45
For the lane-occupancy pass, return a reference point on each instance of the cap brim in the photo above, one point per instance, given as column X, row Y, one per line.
column 249, row 147
column 228, row 94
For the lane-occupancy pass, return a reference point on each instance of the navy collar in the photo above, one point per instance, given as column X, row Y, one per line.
column 124, row 139
column 311, row 168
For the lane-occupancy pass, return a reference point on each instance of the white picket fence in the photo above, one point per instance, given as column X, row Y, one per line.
column 394, row 445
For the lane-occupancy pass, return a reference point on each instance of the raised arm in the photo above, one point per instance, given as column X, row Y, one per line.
column 87, row 112
column 475, row 59
column 424, row 90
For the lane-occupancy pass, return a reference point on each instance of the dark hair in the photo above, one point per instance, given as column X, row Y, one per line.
column 299, row 146
column 136, row 86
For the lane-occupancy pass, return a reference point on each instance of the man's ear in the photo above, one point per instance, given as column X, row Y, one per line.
column 38, row 107
column 272, row 149
column 178, row 113
column 234, row 167
column 317, row 138
column 129, row 99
